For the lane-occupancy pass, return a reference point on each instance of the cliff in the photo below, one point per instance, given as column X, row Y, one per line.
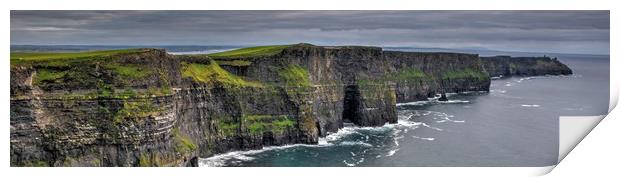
column 144, row 107
column 500, row 66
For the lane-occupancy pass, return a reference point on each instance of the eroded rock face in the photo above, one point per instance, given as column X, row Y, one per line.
column 154, row 109
column 524, row 66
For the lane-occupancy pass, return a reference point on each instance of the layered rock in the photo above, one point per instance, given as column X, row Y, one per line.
column 500, row 66
column 148, row 108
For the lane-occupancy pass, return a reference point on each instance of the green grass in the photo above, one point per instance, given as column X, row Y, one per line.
column 138, row 109
column 405, row 74
column 227, row 128
column 467, row 73
column 250, row 52
column 37, row 163
column 20, row 57
column 48, row 75
column 144, row 161
column 281, row 125
column 212, row 73
column 410, row 74
column 258, row 123
column 295, row 75
column 182, row 144
column 131, row 71
column 256, row 128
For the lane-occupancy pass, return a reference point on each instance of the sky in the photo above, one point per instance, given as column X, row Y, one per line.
column 584, row 32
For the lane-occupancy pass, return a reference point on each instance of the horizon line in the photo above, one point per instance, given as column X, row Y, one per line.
column 250, row 45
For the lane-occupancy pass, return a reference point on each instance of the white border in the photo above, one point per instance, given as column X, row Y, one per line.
column 604, row 145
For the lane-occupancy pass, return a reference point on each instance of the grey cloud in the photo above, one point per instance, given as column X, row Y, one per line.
column 496, row 29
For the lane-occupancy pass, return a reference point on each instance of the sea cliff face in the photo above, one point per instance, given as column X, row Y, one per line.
column 499, row 66
column 148, row 108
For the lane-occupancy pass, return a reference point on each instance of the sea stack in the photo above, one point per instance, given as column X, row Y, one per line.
column 443, row 97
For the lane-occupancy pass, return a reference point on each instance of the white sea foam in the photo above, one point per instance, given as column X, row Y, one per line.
column 525, row 78
column 348, row 164
column 354, row 143
column 421, row 103
column 530, row 105
column 439, row 117
column 428, row 139
column 431, row 127
column 498, row 91
column 391, row 153
column 398, row 131
column 452, row 94
column 220, row 160
column 415, row 103
column 520, row 80
column 453, row 101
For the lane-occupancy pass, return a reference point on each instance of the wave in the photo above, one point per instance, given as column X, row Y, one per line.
column 497, row 77
column 527, row 78
column 333, row 139
column 530, row 105
column 421, row 103
column 428, row 139
column 354, row 143
column 347, row 137
column 352, row 164
column 221, row 159
column 392, row 152
column 439, row 117
column 497, row 91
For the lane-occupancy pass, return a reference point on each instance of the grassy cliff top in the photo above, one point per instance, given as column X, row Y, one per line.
column 250, row 52
column 22, row 57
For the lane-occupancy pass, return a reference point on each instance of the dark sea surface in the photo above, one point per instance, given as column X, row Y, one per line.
column 515, row 124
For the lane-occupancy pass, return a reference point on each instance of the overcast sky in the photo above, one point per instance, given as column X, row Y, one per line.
column 534, row 31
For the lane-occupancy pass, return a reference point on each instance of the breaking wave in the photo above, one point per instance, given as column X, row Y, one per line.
column 358, row 143
column 530, row 105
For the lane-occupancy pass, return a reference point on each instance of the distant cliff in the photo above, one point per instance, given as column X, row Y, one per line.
column 524, row 66
column 144, row 107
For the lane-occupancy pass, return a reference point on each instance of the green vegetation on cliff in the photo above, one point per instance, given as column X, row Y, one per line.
column 257, row 124
column 213, row 73
column 409, row 74
column 48, row 75
column 95, row 74
column 405, row 74
column 250, row 52
column 466, row 73
column 182, row 143
column 294, row 75
column 130, row 71
column 227, row 128
column 135, row 110
column 23, row 57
